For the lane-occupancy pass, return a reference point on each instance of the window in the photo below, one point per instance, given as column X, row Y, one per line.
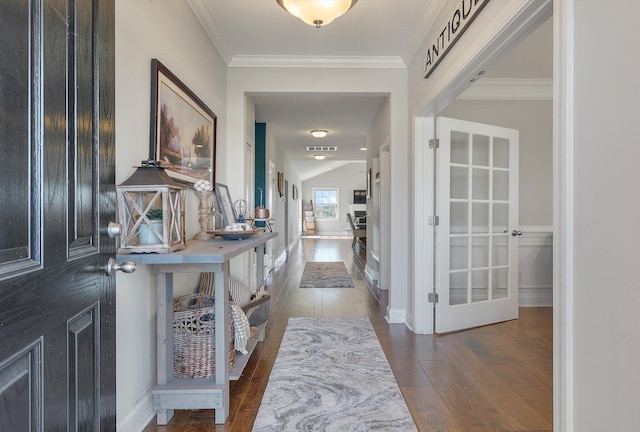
column 325, row 203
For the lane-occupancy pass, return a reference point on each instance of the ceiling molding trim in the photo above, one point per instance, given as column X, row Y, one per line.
column 379, row 62
column 431, row 11
column 205, row 16
column 509, row 89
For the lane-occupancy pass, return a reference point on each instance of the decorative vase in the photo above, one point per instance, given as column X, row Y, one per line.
column 146, row 235
column 203, row 215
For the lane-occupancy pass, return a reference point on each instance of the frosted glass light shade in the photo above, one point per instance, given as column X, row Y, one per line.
column 319, row 133
column 317, row 12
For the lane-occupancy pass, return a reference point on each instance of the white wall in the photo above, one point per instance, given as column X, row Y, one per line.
column 144, row 31
column 275, row 154
column 598, row 157
column 377, row 135
column 346, row 178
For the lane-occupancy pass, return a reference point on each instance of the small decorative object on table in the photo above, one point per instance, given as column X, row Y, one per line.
column 151, row 211
column 239, row 231
column 204, row 190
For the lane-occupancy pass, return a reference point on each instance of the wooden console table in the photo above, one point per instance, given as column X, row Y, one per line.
column 172, row 393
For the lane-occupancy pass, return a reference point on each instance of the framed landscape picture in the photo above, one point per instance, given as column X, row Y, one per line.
column 183, row 128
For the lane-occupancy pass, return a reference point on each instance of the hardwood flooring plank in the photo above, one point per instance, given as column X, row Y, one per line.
column 429, row 411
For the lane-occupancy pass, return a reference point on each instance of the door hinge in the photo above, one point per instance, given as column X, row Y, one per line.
column 432, row 297
column 434, row 143
column 434, row 220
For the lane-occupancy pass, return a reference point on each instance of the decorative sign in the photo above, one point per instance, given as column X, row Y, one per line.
column 457, row 23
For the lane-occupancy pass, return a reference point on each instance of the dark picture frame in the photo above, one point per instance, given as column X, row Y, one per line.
column 281, row 184
column 294, row 192
column 225, row 204
column 369, row 184
column 183, row 128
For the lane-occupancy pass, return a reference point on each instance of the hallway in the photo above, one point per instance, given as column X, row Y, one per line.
column 493, row 378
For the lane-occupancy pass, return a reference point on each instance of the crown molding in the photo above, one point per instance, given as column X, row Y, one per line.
column 205, row 16
column 509, row 89
column 380, row 62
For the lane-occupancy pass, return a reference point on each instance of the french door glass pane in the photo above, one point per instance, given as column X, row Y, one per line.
column 459, row 184
column 480, row 252
column 479, row 285
column 500, row 217
column 458, row 253
column 481, row 150
column 501, row 185
column 500, row 283
column 458, row 288
column 480, row 217
column 500, row 251
column 459, row 148
column 500, row 152
column 459, row 218
column 480, row 184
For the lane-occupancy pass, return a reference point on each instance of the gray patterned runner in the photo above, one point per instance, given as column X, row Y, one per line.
column 331, row 375
column 325, row 275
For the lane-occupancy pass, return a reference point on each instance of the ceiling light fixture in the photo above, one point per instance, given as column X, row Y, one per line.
column 319, row 156
column 319, row 133
column 363, row 148
column 317, row 12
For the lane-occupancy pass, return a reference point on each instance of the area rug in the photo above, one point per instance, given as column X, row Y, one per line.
column 325, row 275
column 331, row 374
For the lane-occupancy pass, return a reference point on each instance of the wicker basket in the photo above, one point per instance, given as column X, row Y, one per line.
column 194, row 353
column 259, row 314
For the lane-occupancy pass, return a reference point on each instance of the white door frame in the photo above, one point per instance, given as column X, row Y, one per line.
column 527, row 19
column 563, row 145
column 423, row 248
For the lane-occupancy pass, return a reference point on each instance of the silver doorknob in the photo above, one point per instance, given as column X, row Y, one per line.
column 114, row 230
column 516, row 233
column 125, row 267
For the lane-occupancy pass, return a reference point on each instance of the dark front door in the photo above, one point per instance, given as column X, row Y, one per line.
column 57, row 305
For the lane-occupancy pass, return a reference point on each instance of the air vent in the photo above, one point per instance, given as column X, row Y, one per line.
column 322, row 148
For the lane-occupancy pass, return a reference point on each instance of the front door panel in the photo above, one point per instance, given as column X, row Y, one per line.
column 57, row 332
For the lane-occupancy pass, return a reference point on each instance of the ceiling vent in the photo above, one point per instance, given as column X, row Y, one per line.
column 322, row 148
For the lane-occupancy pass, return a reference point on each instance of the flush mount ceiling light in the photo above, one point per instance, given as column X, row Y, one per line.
column 319, row 133
column 319, row 156
column 317, row 12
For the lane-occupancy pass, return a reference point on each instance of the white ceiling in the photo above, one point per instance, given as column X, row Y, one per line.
column 374, row 32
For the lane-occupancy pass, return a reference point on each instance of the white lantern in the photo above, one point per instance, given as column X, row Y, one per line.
column 151, row 211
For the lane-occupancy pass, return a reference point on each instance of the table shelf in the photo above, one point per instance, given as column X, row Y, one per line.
column 200, row 256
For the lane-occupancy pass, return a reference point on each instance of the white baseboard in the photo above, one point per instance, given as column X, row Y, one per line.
column 541, row 296
column 139, row 416
column 396, row 316
column 281, row 259
column 371, row 274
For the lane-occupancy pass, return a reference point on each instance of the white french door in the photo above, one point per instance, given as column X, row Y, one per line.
column 476, row 240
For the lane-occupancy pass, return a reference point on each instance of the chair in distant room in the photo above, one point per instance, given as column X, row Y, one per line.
column 359, row 230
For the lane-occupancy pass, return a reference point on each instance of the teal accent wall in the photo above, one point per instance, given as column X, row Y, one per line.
column 261, row 163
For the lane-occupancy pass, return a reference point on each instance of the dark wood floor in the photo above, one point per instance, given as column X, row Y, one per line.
column 492, row 378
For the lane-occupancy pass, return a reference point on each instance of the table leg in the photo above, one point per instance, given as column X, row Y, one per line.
column 164, row 292
column 221, row 279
